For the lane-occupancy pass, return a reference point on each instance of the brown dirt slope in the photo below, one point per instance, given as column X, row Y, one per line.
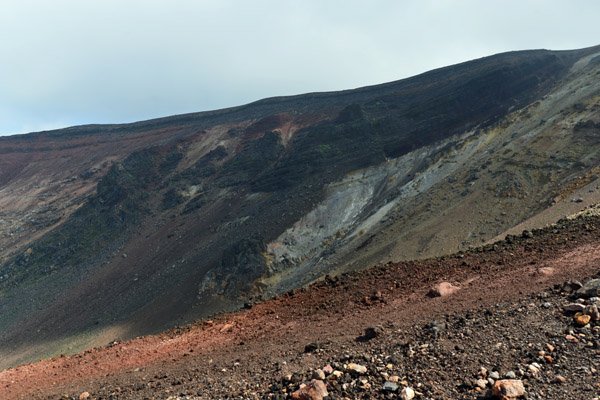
column 505, row 312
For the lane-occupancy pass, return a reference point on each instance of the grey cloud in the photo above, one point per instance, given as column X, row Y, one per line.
column 70, row 62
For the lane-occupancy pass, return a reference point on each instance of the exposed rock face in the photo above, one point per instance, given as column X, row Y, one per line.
column 218, row 209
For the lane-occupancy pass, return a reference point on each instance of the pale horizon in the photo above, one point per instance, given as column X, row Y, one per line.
column 70, row 63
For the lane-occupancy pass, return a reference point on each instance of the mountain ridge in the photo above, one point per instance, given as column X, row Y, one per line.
column 309, row 95
column 129, row 229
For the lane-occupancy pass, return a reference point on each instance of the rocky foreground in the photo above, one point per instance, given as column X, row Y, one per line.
column 545, row 346
column 517, row 319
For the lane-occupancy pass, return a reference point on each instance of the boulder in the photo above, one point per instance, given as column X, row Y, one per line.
column 318, row 374
column 590, row 289
column 593, row 312
column 228, row 327
column 356, row 368
column 370, row 333
column 314, row 390
column 582, row 319
column 390, row 386
column 574, row 307
column 508, row 389
column 407, row 393
column 443, row 289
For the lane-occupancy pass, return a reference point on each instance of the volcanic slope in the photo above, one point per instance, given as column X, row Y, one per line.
column 507, row 316
column 109, row 232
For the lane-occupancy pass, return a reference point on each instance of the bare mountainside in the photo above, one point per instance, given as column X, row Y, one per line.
column 511, row 311
column 109, row 232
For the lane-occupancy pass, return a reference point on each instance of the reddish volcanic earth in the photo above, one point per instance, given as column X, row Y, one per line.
column 241, row 354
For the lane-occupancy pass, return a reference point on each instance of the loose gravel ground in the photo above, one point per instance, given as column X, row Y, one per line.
column 506, row 319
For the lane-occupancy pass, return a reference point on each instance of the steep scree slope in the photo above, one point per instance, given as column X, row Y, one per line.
column 113, row 231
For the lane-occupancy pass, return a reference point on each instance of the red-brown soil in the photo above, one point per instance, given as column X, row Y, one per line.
column 250, row 349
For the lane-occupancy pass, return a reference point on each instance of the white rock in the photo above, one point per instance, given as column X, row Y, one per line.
column 482, row 383
column 359, row 369
column 533, row 369
column 407, row 393
column 337, row 374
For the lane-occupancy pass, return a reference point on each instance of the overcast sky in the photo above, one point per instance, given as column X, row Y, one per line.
column 69, row 62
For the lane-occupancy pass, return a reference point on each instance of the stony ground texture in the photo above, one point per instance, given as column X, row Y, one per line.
column 381, row 333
